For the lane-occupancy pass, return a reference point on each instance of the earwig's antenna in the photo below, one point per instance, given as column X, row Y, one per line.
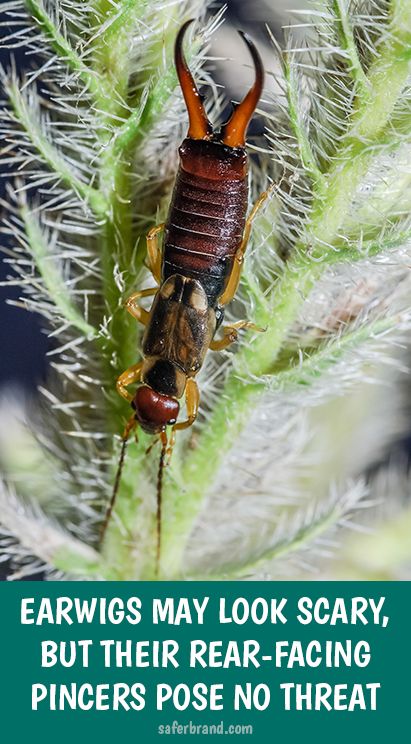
column 199, row 126
column 160, row 496
column 235, row 130
column 126, row 434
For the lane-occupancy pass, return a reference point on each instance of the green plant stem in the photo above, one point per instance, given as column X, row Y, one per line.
column 112, row 64
column 307, row 156
column 62, row 47
column 305, row 535
column 120, row 19
column 120, row 139
column 51, row 155
column 53, row 280
column 323, row 358
column 348, row 43
column 367, row 248
column 141, row 119
column 386, row 79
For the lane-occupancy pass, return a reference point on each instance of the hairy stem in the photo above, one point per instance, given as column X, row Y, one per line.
column 118, row 249
column 348, row 44
column 386, row 79
column 62, row 47
column 51, row 155
column 53, row 280
column 303, row 536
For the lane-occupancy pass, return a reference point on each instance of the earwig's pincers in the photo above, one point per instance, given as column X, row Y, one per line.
column 233, row 132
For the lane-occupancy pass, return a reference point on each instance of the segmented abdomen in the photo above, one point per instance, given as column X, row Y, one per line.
column 204, row 228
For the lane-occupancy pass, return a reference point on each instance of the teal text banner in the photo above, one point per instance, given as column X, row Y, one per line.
column 150, row 662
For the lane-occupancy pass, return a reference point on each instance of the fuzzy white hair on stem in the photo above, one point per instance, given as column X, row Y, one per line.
column 91, row 134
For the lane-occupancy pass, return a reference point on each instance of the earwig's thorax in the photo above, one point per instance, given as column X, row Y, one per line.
column 163, row 376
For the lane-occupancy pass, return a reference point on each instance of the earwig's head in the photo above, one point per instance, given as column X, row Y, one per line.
column 155, row 401
column 154, row 411
column 233, row 133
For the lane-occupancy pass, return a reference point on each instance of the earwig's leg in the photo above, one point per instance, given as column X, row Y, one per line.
column 154, row 252
column 152, row 444
column 192, row 401
column 132, row 374
column 235, row 275
column 231, row 335
column 129, row 427
column 134, row 308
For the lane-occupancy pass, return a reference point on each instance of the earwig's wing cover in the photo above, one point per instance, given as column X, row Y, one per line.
column 235, row 130
column 182, row 324
column 199, row 126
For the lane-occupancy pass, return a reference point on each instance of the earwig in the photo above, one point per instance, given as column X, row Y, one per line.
column 197, row 268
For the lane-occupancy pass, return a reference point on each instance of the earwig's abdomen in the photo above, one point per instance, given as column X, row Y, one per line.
column 207, row 214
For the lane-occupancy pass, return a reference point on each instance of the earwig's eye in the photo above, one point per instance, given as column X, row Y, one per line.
column 154, row 411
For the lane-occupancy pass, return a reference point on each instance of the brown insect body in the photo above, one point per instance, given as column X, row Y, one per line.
column 207, row 214
column 197, row 268
column 203, row 234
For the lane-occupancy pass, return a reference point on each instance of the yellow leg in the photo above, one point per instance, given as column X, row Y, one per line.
column 230, row 334
column 134, row 308
column 235, row 275
column 132, row 374
column 130, row 425
column 152, row 444
column 192, row 402
column 154, row 252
